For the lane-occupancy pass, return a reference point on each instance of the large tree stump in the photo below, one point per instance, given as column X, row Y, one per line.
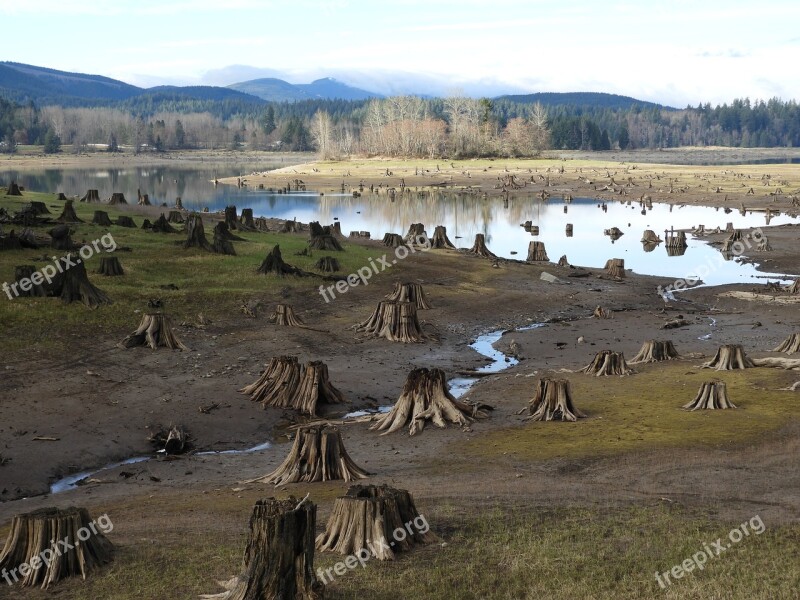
column 73, row 285
column 175, row 217
column 712, row 395
column 416, row 232
column 25, row 272
column 317, row 454
column 790, row 345
column 117, row 198
column 440, row 240
column 154, row 331
column 325, row 241
column 284, row 384
column 479, row 247
column 615, row 267
column 195, row 233
column 125, row 221
column 246, row 219
column 231, row 220
column 284, row 315
column 536, row 252
column 273, row 263
column 38, row 208
column 395, row 321
column 92, row 196
column 73, row 544
column 13, row 189
column 68, row 214
column 376, row 520
column 409, row 292
column 552, row 401
column 426, row 397
column 222, row 237
column 655, row 351
column 327, row 264
column 110, row 267
column 393, row 240
column 101, row 218
column 607, row 363
column 161, row 225
column 279, row 557
column 729, row 358
column 61, row 238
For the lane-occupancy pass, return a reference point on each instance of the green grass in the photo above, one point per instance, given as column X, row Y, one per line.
column 207, row 283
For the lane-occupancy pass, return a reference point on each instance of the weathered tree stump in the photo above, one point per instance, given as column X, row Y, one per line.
column 125, row 221
column 101, row 218
column 602, row 313
column 61, row 197
column 614, row 233
column 273, row 263
column 195, row 233
column 794, row 287
column 110, row 267
column 729, row 358
column 61, row 238
column 563, row 262
column 552, row 401
column 38, row 208
column 536, row 252
column 615, row 267
column 285, row 384
column 68, row 214
column 416, row 232
column 650, row 237
column 72, row 542
column 317, row 454
column 222, row 237
column 170, row 440
column 91, row 196
column 790, row 345
column 116, row 198
column 327, row 264
column 143, row 199
column 284, row 315
column 146, row 224
column 335, row 230
column 13, row 189
column 279, row 557
column 73, row 285
column 231, row 220
column 393, row 240
column 440, row 240
column 426, row 397
column 28, row 239
column 326, row 242
column 607, row 363
column 291, row 227
column 155, row 331
column 378, row 520
column 479, row 247
column 712, row 395
column 360, row 234
column 409, row 292
column 246, row 219
column 675, row 239
column 161, row 225
column 174, row 217
column 395, row 321
column 36, row 290
column 655, row 351
column 10, row 241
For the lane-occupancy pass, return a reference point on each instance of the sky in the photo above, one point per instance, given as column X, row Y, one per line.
column 677, row 52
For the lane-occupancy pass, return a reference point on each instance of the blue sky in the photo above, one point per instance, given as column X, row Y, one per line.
column 674, row 52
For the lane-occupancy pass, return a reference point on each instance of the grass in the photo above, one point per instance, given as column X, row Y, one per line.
column 643, row 412
column 207, row 283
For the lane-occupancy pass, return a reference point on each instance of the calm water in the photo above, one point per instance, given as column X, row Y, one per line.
column 463, row 216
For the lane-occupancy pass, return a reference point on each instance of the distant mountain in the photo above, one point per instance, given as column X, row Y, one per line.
column 200, row 92
column 593, row 99
column 278, row 90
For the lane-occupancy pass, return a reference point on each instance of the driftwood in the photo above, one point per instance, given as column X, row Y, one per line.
column 729, row 358
column 426, row 397
column 273, row 263
column 409, row 292
column 368, row 519
column 396, row 321
column 536, row 252
column 655, row 351
column 117, row 198
column 154, row 331
column 479, row 247
column 124, row 221
column 607, row 363
column 790, row 345
column 110, row 267
column 393, row 240
column 143, row 199
column 317, row 454
column 279, row 556
column 552, row 401
column 777, row 362
column 68, row 214
column 101, row 218
column 69, row 538
column 602, row 313
column 675, row 239
column 284, row 315
column 440, row 240
column 615, row 267
column 327, row 264
column 712, row 395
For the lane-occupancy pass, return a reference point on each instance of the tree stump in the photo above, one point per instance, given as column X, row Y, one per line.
column 440, row 240
column 124, row 221
column 91, row 196
column 379, row 520
column 317, row 454
column 101, row 218
column 395, row 321
column 614, row 233
column 285, row 384
column 325, row 241
column 273, row 263
column 615, row 267
column 61, row 238
column 416, row 232
column 676, row 239
column 650, row 237
column 602, row 313
column 327, row 264
column 536, row 252
column 335, row 230
column 712, row 395
column 117, row 198
column 231, row 220
column 563, row 262
column 729, row 358
column 479, row 247
column 144, row 200
column 174, row 217
column 195, row 234
column 73, row 285
column 110, row 267
column 794, row 287
column 27, row 239
column 10, row 241
column 171, row 440
column 13, row 189
column 161, row 225
column 36, row 290
column 154, row 331
column 68, row 214
column 360, row 234
column 426, row 397
column 607, row 363
column 222, row 243
column 38, row 208
column 393, row 240
column 409, row 292
column 655, row 351
column 246, row 220
column 284, row 315
column 552, row 401
column 279, row 557
column 61, row 197
column 790, row 345
column 43, row 534
column 146, row 224
column 291, row 227
column 178, row 203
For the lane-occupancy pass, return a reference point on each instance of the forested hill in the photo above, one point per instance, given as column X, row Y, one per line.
column 592, row 99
